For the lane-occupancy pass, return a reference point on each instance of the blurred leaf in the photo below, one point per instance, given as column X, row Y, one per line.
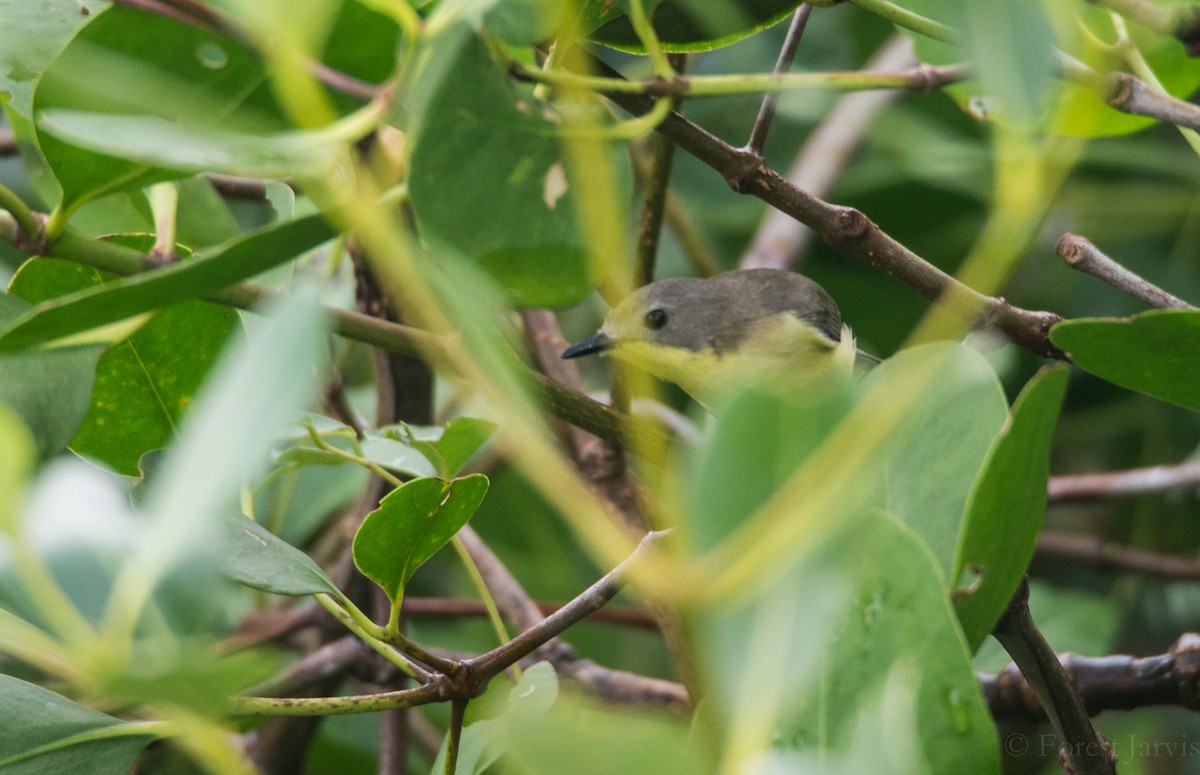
column 46, row 732
column 256, row 387
column 518, row 217
column 592, row 740
column 1156, row 352
column 363, row 44
column 899, row 614
column 256, row 557
column 962, row 409
column 482, row 742
column 454, row 446
column 411, row 524
column 759, row 440
column 161, row 144
column 180, row 281
column 16, row 464
column 127, row 61
column 144, row 383
column 49, row 390
column 1007, row 506
column 687, row 25
column 1011, row 47
column 31, row 36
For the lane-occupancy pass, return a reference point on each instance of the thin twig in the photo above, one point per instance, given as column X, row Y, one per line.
column 780, row 239
column 1129, row 482
column 1081, row 254
column 1102, row 554
column 656, row 182
column 457, row 608
column 458, row 712
column 1082, row 750
column 766, row 112
column 1115, row 682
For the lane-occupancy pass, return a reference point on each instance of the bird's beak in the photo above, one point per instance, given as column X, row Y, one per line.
column 598, row 342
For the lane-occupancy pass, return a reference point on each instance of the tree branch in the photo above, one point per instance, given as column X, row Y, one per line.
column 1116, row 682
column 1102, row 554
column 1115, row 484
column 1082, row 255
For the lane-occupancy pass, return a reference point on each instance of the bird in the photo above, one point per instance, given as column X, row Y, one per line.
column 707, row 335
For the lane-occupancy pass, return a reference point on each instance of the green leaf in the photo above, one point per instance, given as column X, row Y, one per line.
column 127, row 61
column 962, row 409
column 256, row 557
column 180, row 281
column 46, row 732
column 49, row 390
column 518, row 217
column 1007, row 506
column 454, row 446
column 31, row 36
column 411, row 524
column 16, row 464
column 1156, row 352
column 898, row 616
column 144, row 383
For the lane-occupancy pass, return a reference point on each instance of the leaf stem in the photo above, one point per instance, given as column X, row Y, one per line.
column 902, row 17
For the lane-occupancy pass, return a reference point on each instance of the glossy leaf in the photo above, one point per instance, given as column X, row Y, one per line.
column 1006, row 508
column 450, row 450
column 130, row 62
column 411, row 524
column 46, row 732
column 256, row 557
column 1156, row 352
column 49, row 390
column 144, row 383
column 469, row 124
column 177, row 282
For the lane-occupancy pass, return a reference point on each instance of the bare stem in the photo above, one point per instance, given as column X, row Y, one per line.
column 766, row 112
column 1082, row 255
column 1082, row 750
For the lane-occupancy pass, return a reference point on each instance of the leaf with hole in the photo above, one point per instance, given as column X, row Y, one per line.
column 1006, row 507
column 411, row 524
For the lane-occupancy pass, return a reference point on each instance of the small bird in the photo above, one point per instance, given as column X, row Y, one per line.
column 768, row 326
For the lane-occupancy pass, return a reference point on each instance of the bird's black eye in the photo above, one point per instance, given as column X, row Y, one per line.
column 656, row 319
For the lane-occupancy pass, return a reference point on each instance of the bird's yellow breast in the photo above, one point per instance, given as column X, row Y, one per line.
column 780, row 352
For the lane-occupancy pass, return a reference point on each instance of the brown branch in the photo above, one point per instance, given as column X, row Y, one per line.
column 1081, row 254
column 591, row 599
column 1116, row 484
column 8, row 144
column 1128, row 94
column 780, row 239
column 848, row 230
column 1082, row 751
column 456, row 608
column 623, row 688
column 1102, row 554
column 1116, row 682
column 766, row 112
